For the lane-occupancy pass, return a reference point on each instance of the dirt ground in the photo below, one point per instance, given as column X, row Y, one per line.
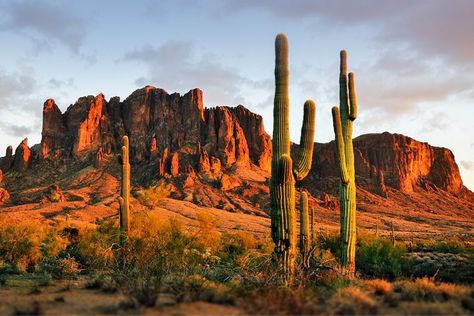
column 22, row 295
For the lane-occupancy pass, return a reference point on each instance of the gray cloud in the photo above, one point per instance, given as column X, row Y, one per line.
column 468, row 165
column 57, row 83
column 426, row 55
column 178, row 66
column 43, row 23
column 434, row 27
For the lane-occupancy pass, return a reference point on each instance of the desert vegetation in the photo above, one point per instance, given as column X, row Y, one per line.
column 166, row 263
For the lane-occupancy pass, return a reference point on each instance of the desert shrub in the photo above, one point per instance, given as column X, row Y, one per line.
column 430, row 308
column 376, row 257
column 330, row 241
column 454, row 246
column 52, row 243
column 20, row 243
column 378, row 286
column 281, row 300
column 158, row 249
column 352, row 301
column 60, row 267
column 236, row 244
column 446, row 267
column 94, row 250
column 149, row 197
column 426, row 289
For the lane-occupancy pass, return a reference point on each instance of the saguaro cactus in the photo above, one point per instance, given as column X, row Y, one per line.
column 284, row 172
column 124, row 198
column 343, row 119
column 305, row 238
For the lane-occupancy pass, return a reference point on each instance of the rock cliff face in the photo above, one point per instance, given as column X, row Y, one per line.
column 172, row 134
column 395, row 161
column 175, row 131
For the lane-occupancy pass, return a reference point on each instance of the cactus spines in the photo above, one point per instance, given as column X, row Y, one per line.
column 311, row 220
column 284, row 172
column 305, row 238
column 343, row 118
column 283, row 214
column 124, row 198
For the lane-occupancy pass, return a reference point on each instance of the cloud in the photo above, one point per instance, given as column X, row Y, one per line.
column 420, row 53
column 43, row 23
column 17, row 130
column 468, row 165
column 15, row 85
column 435, row 27
column 179, row 66
column 54, row 83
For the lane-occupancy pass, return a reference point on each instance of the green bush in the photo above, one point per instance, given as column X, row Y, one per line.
column 60, row 268
column 375, row 257
column 378, row 258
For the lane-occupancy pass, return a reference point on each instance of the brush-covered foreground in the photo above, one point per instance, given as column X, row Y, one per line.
column 170, row 268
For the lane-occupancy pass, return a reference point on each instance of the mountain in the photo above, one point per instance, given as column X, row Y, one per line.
column 219, row 159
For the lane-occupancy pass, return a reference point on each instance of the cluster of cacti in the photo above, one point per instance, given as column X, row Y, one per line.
column 284, row 172
column 305, row 237
column 343, row 119
column 124, row 198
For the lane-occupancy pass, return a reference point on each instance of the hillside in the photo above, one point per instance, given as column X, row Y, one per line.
column 217, row 160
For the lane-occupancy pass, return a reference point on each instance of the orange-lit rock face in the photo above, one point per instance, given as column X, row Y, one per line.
column 53, row 128
column 22, row 157
column 89, row 133
column 4, row 196
column 155, row 120
column 401, row 162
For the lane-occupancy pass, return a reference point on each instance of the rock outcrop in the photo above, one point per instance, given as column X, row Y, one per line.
column 174, row 131
column 173, row 135
column 53, row 194
column 391, row 160
column 7, row 161
column 4, row 196
column 22, row 157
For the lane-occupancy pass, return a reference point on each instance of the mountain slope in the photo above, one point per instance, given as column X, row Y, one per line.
column 218, row 159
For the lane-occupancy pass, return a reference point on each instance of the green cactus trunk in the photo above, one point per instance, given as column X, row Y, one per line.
column 311, row 220
column 124, row 198
column 284, row 172
column 305, row 238
column 343, row 120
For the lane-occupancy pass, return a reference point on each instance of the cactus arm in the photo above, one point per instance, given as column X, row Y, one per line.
column 305, row 156
column 352, row 98
column 340, row 144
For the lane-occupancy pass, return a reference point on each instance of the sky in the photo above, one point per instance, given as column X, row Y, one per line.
column 413, row 60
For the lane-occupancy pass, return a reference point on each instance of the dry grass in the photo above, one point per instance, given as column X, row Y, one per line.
column 378, row 286
column 425, row 289
column 352, row 300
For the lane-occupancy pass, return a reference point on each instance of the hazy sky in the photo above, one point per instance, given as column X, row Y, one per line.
column 413, row 60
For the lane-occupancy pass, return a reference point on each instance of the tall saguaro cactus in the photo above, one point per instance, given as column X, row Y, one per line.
column 305, row 237
column 343, row 119
column 124, row 198
column 284, row 172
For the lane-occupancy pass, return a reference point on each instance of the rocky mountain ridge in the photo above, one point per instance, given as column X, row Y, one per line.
column 178, row 134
